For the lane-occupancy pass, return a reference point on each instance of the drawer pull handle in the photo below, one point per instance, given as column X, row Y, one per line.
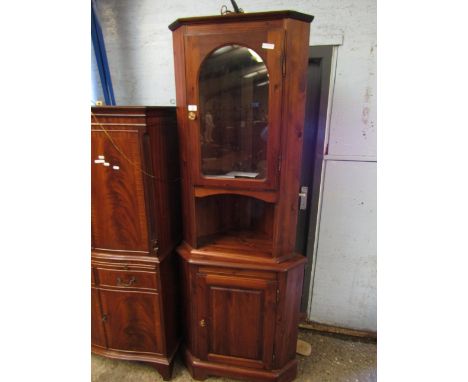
column 123, row 283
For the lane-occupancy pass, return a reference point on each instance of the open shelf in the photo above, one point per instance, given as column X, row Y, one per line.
column 236, row 224
column 237, row 242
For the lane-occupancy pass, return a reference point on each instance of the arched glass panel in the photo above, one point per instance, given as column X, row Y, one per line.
column 233, row 87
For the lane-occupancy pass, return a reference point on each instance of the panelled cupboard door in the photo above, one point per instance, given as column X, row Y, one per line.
column 132, row 321
column 236, row 320
column 234, row 89
column 118, row 212
column 98, row 337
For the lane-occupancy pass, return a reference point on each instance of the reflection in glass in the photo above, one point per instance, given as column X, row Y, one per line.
column 233, row 87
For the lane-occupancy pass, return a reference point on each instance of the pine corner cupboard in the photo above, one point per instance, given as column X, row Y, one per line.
column 135, row 226
column 241, row 88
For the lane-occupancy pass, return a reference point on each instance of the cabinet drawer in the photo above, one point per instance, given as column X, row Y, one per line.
column 134, row 279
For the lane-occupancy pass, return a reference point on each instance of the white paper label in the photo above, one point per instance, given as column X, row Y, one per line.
column 192, row 107
column 116, row 167
column 99, row 161
column 101, row 156
column 107, row 164
column 267, row 45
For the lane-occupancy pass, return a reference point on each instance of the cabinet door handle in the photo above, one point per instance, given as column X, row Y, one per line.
column 126, row 284
column 303, row 198
column 104, row 317
column 202, row 322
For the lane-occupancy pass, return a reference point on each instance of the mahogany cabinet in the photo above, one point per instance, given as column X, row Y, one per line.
column 240, row 88
column 135, row 226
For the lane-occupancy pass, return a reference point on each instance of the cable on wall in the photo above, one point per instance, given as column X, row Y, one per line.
column 101, row 57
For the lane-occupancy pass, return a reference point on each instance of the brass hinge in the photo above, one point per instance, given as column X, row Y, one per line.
column 284, row 54
column 277, row 295
column 284, row 65
column 274, row 356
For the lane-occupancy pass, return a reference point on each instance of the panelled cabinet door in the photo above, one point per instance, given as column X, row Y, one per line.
column 132, row 321
column 118, row 211
column 98, row 337
column 236, row 320
column 234, row 90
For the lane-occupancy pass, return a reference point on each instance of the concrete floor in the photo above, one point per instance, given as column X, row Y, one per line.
column 333, row 359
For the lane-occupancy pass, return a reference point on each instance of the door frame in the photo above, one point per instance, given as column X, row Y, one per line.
column 328, row 54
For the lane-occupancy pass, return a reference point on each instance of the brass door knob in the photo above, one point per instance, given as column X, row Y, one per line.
column 192, row 115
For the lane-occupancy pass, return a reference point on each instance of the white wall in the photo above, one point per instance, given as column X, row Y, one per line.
column 344, row 282
column 139, row 49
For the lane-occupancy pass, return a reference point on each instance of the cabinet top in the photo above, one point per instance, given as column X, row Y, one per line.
column 233, row 17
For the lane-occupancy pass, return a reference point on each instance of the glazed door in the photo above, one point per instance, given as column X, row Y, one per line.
column 132, row 320
column 98, row 337
column 234, row 91
column 118, row 211
column 236, row 320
